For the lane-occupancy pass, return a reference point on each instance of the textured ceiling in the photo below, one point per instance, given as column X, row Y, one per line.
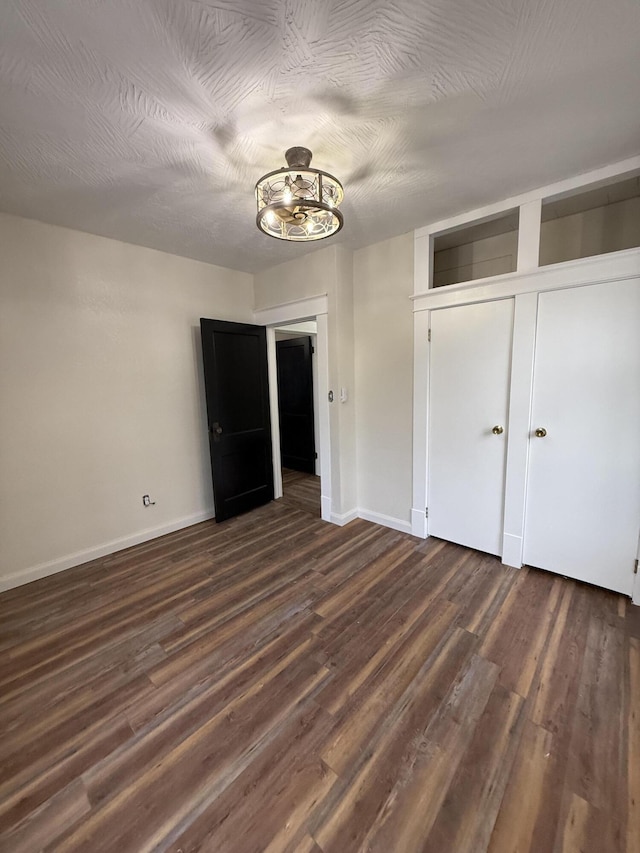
column 150, row 120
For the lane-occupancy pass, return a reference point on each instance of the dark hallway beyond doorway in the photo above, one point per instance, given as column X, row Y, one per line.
column 295, row 404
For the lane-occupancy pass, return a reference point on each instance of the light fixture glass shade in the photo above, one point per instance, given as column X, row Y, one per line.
column 299, row 203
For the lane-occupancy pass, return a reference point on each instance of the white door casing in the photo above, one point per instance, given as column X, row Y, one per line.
column 583, row 492
column 470, row 358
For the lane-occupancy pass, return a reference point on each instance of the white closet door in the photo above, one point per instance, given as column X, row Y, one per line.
column 470, row 362
column 583, row 494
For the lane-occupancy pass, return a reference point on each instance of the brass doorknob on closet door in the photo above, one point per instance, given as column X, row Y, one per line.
column 540, row 432
column 497, row 430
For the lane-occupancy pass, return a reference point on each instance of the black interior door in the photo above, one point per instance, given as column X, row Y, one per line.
column 237, row 391
column 295, row 404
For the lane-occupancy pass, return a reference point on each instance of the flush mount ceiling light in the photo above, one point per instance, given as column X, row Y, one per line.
column 298, row 203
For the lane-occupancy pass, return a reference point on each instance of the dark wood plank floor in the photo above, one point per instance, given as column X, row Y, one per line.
column 279, row 684
column 301, row 491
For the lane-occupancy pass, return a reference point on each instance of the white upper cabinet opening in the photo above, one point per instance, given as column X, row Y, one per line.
column 592, row 222
column 588, row 216
column 478, row 250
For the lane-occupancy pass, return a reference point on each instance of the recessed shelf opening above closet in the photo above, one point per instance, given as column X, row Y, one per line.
column 595, row 221
column 478, row 250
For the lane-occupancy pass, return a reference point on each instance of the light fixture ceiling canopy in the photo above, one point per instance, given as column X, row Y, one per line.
column 299, row 203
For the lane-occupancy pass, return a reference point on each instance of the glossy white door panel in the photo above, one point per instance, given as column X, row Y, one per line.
column 470, row 358
column 583, row 494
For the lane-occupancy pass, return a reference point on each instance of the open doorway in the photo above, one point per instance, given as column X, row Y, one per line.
column 298, row 414
column 289, row 313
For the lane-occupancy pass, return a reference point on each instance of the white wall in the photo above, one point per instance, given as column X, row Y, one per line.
column 101, row 393
column 297, row 279
column 383, row 284
column 102, row 397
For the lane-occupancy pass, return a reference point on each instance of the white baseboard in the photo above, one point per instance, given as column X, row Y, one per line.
column 385, row 520
column 345, row 518
column 419, row 523
column 512, row 551
column 76, row 559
